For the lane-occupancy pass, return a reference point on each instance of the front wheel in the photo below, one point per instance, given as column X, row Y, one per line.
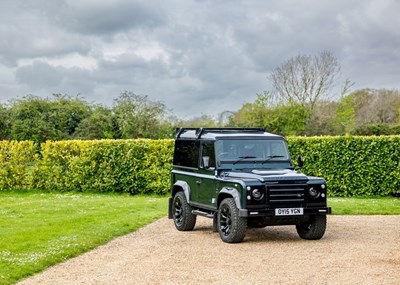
column 231, row 227
column 184, row 219
column 313, row 229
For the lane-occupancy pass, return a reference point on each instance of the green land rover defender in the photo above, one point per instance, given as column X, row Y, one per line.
column 243, row 178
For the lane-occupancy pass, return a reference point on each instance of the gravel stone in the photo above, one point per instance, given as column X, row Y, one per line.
column 354, row 250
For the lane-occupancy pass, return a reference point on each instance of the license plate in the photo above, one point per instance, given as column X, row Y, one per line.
column 288, row 211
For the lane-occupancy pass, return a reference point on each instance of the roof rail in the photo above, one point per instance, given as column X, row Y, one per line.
column 201, row 131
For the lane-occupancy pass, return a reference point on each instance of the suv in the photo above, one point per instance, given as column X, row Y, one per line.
column 243, row 177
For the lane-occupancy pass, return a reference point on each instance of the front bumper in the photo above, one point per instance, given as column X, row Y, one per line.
column 271, row 212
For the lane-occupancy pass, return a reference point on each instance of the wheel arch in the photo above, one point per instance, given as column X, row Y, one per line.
column 228, row 192
column 181, row 186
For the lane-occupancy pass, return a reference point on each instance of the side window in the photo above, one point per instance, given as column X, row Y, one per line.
column 186, row 153
column 208, row 155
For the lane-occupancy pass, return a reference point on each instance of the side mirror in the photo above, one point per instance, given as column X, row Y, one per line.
column 206, row 161
column 300, row 161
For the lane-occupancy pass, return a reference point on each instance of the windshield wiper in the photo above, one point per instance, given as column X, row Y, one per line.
column 243, row 157
column 271, row 157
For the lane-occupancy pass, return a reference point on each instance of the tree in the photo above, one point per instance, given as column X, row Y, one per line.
column 305, row 79
column 322, row 120
column 70, row 111
column 100, row 124
column 285, row 119
column 138, row 117
column 33, row 118
column 4, row 122
column 41, row 119
column 368, row 111
column 204, row 121
column 345, row 115
column 243, row 117
column 382, row 106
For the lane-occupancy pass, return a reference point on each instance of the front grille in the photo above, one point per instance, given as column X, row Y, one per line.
column 286, row 195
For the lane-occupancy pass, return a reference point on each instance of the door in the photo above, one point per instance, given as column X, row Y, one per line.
column 205, row 180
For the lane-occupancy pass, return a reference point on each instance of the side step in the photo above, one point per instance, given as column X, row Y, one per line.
column 204, row 214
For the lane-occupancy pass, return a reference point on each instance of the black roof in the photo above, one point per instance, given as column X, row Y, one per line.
column 212, row 133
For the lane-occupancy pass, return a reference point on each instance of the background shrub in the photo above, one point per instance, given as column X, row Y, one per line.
column 352, row 166
column 16, row 161
column 132, row 166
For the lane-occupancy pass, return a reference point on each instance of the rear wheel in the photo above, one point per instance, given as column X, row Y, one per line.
column 182, row 213
column 231, row 227
column 313, row 229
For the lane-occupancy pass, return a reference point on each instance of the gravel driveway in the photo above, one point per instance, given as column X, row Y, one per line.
column 354, row 250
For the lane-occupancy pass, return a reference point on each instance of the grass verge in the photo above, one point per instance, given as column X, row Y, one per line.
column 365, row 206
column 41, row 229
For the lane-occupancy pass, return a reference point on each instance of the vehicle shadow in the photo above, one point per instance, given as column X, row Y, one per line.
column 255, row 235
column 287, row 233
column 272, row 233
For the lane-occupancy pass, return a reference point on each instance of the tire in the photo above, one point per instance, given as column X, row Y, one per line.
column 231, row 227
column 184, row 220
column 313, row 229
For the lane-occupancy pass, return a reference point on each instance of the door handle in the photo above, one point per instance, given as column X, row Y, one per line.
column 198, row 182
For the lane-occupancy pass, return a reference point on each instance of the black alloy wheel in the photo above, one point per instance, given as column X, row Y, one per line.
column 231, row 227
column 182, row 213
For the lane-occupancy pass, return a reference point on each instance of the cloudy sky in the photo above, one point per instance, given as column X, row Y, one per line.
column 197, row 57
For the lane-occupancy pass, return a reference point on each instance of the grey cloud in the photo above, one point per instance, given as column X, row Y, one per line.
column 26, row 34
column 40, row 77
column 107, row 17
column 213, row 55
column 371, row 38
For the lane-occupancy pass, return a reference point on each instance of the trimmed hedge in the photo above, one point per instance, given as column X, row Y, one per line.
column 134, row 166
column 16, row 159
column 352, row 166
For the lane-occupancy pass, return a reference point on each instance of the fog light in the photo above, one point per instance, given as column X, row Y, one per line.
column 257, row 194
column 323, row 186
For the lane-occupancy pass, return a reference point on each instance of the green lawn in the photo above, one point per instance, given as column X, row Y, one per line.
column 41, row 229
column 365, row 206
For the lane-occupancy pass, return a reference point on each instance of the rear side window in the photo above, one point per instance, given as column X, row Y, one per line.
column 186, row 153
column 208, row 151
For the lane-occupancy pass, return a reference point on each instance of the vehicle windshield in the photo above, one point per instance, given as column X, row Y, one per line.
column 254, row 150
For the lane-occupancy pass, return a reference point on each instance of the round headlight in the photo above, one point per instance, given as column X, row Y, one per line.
column 257, row 194
column 313, row 192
